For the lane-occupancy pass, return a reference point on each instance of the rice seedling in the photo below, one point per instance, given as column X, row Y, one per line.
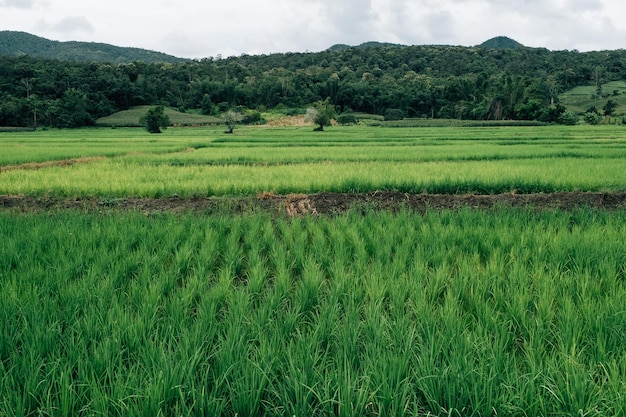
column 503, row 312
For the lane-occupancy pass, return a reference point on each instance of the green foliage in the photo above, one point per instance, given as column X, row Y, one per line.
column 501, row 42
column 468, row 312
column 321, row 114
column 609, row 107
column 72, row 110
column 232, row 118
column 155, row 119
column 130, row 118
column 20, row 43
column 393, row 114
column 347, row 118
column 592, row 118
column 568, row 118
column 253, row 117
column 421, row 81
column 202, row 161
column 580, row 99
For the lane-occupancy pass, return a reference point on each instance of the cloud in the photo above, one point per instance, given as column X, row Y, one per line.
column 19, row 4
column 201, row 29
column 67, row 25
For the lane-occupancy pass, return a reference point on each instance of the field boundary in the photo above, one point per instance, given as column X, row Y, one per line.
column 326, row 203
column 49, row 164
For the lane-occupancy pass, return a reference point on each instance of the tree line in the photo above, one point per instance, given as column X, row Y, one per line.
column 413, row 81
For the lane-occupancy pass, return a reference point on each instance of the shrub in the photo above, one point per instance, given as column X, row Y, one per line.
column 394, row 114
column 253, row 117
column 592, row 118
column 568, row 118
column 346, row 119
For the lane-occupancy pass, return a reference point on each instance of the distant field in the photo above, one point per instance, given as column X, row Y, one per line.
column 130, row 118
column 580, row 99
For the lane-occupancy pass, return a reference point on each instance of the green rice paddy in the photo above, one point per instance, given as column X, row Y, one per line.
column 502, row 312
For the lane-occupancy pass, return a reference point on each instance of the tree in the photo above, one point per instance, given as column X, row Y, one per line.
column 155, row 119
column 321, row 113
column 231, row 118
column 609, row 108
column 72, row 110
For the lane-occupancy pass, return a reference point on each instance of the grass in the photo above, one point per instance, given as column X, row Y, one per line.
column 580, row 99
column 510, row 312
column 130, row 118
column 119, row 179
column 204, row 162
column 513, row 312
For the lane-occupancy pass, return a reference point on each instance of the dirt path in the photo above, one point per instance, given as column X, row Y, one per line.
column 321, row 203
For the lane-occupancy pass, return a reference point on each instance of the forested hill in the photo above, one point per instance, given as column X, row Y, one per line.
column 412, row 81
column 22, row 43
column 501, row 42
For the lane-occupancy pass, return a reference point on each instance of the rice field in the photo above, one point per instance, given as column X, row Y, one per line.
column 206, row 162
column 469, row 313
column 500, row 312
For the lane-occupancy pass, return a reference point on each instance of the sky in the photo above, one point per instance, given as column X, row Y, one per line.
column 202, row 29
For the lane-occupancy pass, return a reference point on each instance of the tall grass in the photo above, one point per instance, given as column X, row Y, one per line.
column 506, row 312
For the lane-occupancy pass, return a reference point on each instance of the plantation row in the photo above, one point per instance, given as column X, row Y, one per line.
column 510, row 312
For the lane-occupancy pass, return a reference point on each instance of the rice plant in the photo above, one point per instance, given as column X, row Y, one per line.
column 503, row 312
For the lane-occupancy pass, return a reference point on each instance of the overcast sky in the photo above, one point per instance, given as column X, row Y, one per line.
column 200, row 29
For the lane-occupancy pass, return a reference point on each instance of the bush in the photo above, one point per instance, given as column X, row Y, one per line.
column 346, row 119
column 568, row 118
column 592, row 118
column 253, row 117
column 394, row 114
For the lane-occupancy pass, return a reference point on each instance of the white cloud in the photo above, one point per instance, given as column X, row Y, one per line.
column 20, row 4
column 68, row 25
column 200, row 29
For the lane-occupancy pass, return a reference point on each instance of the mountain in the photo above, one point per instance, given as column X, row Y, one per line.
column 21, row 43
column 342, row 47
column 501, row 42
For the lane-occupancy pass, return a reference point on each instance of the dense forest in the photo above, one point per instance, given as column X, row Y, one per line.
column 406, row 81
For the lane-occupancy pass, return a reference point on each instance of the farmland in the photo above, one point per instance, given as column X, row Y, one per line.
column 108, row 309
column 205, row 162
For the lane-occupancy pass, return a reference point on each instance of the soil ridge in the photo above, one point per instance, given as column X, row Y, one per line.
column 321, row 203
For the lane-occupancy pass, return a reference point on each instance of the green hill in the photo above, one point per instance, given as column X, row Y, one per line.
column 130, row 118
column 579, row 99
column 340, row 47
column 501, row 42
column 22, row 43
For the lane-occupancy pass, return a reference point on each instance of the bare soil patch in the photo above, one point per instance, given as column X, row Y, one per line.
column 321, row 203
column 48, row 164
